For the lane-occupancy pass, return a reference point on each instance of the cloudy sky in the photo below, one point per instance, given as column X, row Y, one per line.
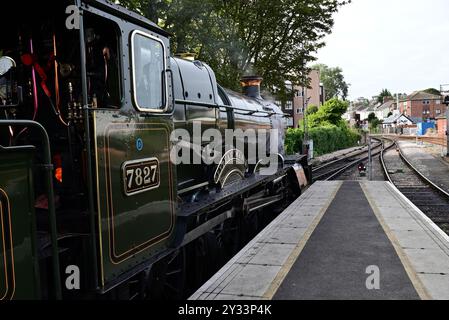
column 402, row 45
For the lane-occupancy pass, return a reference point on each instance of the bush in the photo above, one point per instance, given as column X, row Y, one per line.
column 293, row 141
column 328, row 130
column 329, row 114
column 326, row 139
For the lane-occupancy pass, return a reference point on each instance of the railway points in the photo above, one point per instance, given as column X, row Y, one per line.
column 323, row 245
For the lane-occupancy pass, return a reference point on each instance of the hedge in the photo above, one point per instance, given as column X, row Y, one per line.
column 326, row 139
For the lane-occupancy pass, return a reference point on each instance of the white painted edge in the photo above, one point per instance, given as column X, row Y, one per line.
column 426, row 219
column 224, row 270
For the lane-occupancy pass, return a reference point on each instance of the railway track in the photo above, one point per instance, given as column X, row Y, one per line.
column 428, row 197
column 334, row 169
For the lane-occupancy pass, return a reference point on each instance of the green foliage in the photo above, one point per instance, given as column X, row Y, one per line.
column 374, row 122
column 329, row 114
column 372, row 117
column 274, row 39
column 333, row 81
column 311, row 110
column 385, row 93
column 326, row 139
column 326, row 128
column 293, row 140
column 374, row 125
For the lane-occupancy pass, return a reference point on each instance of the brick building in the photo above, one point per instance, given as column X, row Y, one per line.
column 314, row 94
column 441, row 125
column 287, row 108
column 423, row 106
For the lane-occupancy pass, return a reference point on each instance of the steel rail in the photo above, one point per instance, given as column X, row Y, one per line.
column 345, row 156
column 354, row 163
column 415, row 170
column 336, row 171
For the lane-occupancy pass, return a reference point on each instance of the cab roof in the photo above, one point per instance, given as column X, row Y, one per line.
column 126, row 14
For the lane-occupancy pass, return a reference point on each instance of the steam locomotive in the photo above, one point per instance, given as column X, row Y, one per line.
column 92, row 203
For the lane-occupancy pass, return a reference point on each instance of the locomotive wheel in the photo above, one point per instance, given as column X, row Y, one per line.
column 251, row 226
column 168, row 277
column 208, row 251
column 232, row 237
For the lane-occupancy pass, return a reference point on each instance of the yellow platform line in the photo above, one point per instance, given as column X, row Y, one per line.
column 291, row 260
column 416, row 282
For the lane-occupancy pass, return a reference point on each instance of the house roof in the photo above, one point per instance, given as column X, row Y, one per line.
column 387, row 105
column 421, row 95
column 395, row 118
column 416, row 119
column 362, row 108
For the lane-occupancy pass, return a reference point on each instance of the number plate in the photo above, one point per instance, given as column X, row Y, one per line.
column 141, row 176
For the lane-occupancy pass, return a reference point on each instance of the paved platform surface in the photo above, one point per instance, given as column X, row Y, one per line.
column 333, row 241
column 427, row 161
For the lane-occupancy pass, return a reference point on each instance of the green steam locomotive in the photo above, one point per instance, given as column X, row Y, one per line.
column 95, row 116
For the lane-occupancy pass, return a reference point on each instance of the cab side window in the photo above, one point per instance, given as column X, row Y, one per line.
column 148, row 73
column 103, row 66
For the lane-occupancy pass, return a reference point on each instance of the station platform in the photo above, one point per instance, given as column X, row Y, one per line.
column 340, row 240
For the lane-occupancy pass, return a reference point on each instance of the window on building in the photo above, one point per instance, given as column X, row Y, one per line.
column 438, row 111
column 438, row 102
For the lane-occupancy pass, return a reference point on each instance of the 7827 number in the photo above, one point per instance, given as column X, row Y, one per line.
column 141, row 175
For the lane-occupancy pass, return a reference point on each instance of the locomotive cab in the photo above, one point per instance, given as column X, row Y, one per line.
column 95, row 93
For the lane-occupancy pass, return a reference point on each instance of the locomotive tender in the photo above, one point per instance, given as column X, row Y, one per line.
column 88, row 186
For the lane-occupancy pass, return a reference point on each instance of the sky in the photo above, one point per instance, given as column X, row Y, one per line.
column 401, row 45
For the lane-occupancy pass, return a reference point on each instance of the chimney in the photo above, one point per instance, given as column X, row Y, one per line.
column 386, row 99
column 251, row 86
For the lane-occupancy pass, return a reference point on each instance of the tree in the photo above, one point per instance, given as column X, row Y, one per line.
column 329, row 114
column 311, row 110
column 373, row 121
column 273, row 39
column 433, row 91
column 385, row 93
column 333, row 81
column 371, row 117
